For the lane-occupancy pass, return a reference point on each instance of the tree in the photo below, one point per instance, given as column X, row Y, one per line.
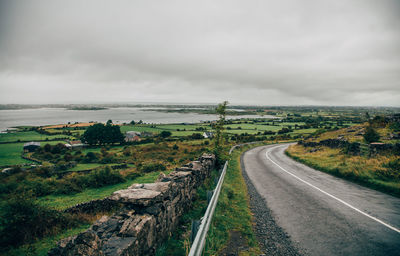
column 102, row 134
column 165, row 134
column 371, row 135
column 196, row 136
column 219, row 128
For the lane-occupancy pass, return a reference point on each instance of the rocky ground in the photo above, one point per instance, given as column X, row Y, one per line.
column 272, row 238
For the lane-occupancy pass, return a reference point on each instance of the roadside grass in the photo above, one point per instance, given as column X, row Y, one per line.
column 62, row 202
column 233, row 211
column 28, row 136
column 179, row 243
column 42, row 246
column 369, row 172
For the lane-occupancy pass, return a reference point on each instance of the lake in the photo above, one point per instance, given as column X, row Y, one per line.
column 48, row 116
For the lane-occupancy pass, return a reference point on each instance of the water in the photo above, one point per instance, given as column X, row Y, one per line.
column 50, row 116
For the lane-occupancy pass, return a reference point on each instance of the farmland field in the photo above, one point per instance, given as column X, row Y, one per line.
column 11, row 154
column 28, row 136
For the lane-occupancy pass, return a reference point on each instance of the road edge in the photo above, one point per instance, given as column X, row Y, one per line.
column 272, row 238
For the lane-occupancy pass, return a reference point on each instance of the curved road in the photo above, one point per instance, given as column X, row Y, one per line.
column 322, row 214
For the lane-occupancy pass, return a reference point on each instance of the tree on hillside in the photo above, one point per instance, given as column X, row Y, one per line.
column 371, row 135
column 102, row 134
column 219, row 128
column 165, row 134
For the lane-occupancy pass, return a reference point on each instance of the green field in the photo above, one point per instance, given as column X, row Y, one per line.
column 81, row 167
column 61, row 202
column 28, row 136
column 184, row 130
column 10, row 154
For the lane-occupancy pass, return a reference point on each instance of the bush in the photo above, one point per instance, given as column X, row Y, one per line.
column 175, row 147
column 196, row 136
column 107, row 159
column 352, row 148
column 393, row 169
column 104, row 177
column 152, row 167
column 165, row 134
column 90, row 157
column 284, row 130
column 127, row 151
column 371, row 135
column 22, row 220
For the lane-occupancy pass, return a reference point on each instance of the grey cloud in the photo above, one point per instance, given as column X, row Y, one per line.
column 247, row 52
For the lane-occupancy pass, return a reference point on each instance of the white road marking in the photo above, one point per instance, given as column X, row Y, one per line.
column 332, row 196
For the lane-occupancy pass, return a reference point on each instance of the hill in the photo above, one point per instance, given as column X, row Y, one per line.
column 349, row 153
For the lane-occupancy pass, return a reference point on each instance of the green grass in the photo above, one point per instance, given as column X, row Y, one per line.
column 179, row 243
column 353, row 168
column 81, row 167
column 41, row 247
column 190, row 129
column 233, row 211
column 140, row 128
column 10, row 154
column 27, row 136
column 62, row 202
column 90, row 166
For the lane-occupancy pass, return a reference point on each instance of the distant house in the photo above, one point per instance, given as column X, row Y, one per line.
column 132, row 136
column 75, row 144
column 146, row 134
column 208, row 135
column 31, row 146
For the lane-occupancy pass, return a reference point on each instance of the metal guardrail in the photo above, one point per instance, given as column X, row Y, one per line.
column 200, row 239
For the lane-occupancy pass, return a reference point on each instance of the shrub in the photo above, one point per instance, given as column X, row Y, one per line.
column 44, row 172
column 152, row 167
column 196, row 136
column 127, row 151
column 371, row 135
column 23, row 220
column 104, row 177
column 352, row 148
column 393, row 169
column 175, row 147
column 107, row 159
column 90, row 157
column 165, row 134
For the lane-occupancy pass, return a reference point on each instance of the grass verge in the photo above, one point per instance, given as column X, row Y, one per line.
column 368, row 172
column 179, row 243
column 233, row 211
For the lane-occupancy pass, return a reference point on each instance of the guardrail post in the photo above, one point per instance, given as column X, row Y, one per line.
column 209, row 195
column 195, row 228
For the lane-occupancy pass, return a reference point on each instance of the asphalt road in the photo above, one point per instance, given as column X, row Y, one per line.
column 322, row 214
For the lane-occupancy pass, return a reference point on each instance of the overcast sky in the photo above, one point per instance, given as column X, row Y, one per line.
column 310, row 52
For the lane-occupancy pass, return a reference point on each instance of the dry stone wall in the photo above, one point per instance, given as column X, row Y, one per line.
column 150, row 212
